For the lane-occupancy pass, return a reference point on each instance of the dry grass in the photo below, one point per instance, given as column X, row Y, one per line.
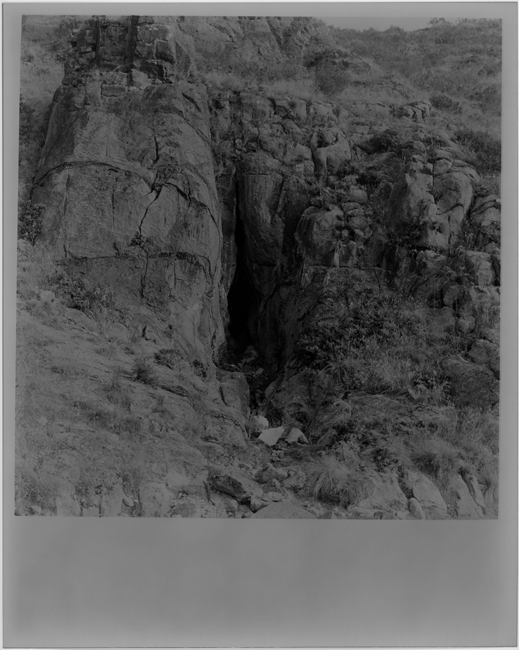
column 438, row 458
column 300, row 88
column 116, row 393
column 36, row 267
column 334, row 482
column 225, row 81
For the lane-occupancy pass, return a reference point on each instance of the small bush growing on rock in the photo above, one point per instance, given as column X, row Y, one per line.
column 485, row 147
column 445, row 103
column 331, row 70
column 30, row 221
column 167, row 357
column 35, row 486
column 385, row 141
column 200, row 369
column 143, row 371
column 82, row 294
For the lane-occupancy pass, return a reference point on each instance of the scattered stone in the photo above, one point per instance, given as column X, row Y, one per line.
column 272, row 485
column 257, row 424
column 273, row 496
column 328, row 515
column 36, row 510
column 256, row 503
column 128, row 501
column 270, row 472
column 47, row 297
column 234, row 483
column 296, row 479
column 271, row 436
column 316, row 509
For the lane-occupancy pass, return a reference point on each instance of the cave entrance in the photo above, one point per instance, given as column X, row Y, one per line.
column 242, row 301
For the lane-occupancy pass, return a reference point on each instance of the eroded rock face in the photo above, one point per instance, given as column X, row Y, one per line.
column 128, row 178
column 242, row 218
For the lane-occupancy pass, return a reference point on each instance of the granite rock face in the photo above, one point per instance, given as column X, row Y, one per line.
column 253, row 218
column 127, row 176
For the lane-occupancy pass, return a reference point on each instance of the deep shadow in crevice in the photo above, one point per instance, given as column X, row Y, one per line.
column 242, row 301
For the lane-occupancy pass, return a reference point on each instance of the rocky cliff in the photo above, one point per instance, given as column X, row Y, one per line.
column 310, row 286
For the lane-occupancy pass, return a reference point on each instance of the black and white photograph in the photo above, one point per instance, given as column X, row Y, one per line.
column 255, row 268
column 258, row 268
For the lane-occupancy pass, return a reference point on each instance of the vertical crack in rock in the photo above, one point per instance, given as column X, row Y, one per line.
column 97, row 42
column 242, row 298
column 133, row 28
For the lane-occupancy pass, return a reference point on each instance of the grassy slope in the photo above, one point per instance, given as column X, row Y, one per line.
column 461, row 60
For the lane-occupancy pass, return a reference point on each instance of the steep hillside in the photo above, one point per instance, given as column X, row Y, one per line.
column 260, row 277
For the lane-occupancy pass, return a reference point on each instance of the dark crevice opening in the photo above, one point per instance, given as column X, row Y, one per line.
column 242, row 301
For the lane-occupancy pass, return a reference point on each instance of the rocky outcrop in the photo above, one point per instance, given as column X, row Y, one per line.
column 127, row 176
column 472, row 385
column 243, row 219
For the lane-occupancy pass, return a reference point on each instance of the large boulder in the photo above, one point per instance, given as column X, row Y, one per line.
column 485, row 216
column 385, row 495
column 464, row 504
column 427, row 495
column 485, row 353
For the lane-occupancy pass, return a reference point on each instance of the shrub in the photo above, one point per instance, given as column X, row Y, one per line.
column 30, row 221
column 82, row 294
column 116, row 394
column 385, row 141
column 35, row 486
column 200, row 369
column 167, row 357
column 333, row 482
column 331, row 70
column 445, row 103
column 143, row 371
column 373, row 318
column 485, row 147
